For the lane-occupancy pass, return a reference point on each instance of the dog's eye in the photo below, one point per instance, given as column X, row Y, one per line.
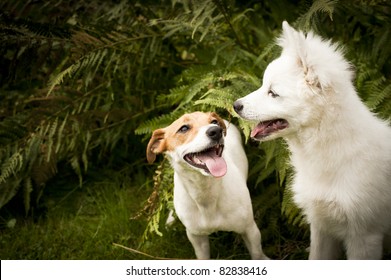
column 184, row 128
column 215, row 122
column 271, row 93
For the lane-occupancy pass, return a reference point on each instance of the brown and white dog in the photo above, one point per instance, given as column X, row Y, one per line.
column 210, row 173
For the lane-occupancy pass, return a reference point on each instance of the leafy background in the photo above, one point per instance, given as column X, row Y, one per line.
column 84, row 83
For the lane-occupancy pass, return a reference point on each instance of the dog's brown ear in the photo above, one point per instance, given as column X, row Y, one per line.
column 156, row 145
column 221, row 122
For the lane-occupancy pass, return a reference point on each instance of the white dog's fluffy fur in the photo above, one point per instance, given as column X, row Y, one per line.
column 340, row 151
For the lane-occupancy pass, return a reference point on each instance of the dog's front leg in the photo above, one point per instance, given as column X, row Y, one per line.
column 200, row 244
column 364, row 247
column 323, row 246
column 252, row 239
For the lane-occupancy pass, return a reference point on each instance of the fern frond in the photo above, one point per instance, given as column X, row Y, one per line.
column 32, row 149
column 378, row 91
column 50, row 141
column 9, row 189
column 11, row 130
column 200, row 20
column 174, row 97
column 307, row 20
column 88, row 62
column 11, row 166
column 158, row 122
column 290, row 210
column 60, row 134
column 159, row 200
column 214, row 103
column 59, row 78
column 244, row 126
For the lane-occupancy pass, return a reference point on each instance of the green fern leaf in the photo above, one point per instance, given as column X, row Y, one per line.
column 59, row 78
column 11, row 166
column 50, row 141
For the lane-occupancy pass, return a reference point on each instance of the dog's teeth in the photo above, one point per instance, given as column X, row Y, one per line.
column 197, row 160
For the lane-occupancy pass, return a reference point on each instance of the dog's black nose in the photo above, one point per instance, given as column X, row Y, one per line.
column 238, row 106
column 214, row 133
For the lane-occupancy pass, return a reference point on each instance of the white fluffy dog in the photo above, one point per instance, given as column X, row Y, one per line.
column 210, row 173
column 340, row 151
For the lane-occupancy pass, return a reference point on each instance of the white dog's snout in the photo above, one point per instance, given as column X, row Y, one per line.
column 238, row 106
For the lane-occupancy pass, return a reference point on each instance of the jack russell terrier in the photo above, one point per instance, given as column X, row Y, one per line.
column 210, row 173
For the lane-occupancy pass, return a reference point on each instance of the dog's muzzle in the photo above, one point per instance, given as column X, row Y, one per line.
column 238, row 106
column 215, row 133
column 210, row 159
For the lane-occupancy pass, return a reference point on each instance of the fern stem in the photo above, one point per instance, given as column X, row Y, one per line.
column 223, row 10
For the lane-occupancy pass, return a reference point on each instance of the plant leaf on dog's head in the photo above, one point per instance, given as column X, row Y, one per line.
column 156, row 145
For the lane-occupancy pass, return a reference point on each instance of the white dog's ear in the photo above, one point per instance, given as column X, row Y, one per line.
column 294, row 43
column 156, row 145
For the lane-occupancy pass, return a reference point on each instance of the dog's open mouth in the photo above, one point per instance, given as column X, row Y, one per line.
column 209, row 160
column 266, row 128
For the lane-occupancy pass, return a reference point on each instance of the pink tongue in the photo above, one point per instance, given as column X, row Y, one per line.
column 255, row 131
column 216, row 165
column 261, row 128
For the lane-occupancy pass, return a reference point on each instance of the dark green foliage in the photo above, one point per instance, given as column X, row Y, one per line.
column 82, row 87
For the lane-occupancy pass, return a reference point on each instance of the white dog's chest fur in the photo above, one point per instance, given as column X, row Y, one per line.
column 326, row 207
column 205, row 209
column 337, row 189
